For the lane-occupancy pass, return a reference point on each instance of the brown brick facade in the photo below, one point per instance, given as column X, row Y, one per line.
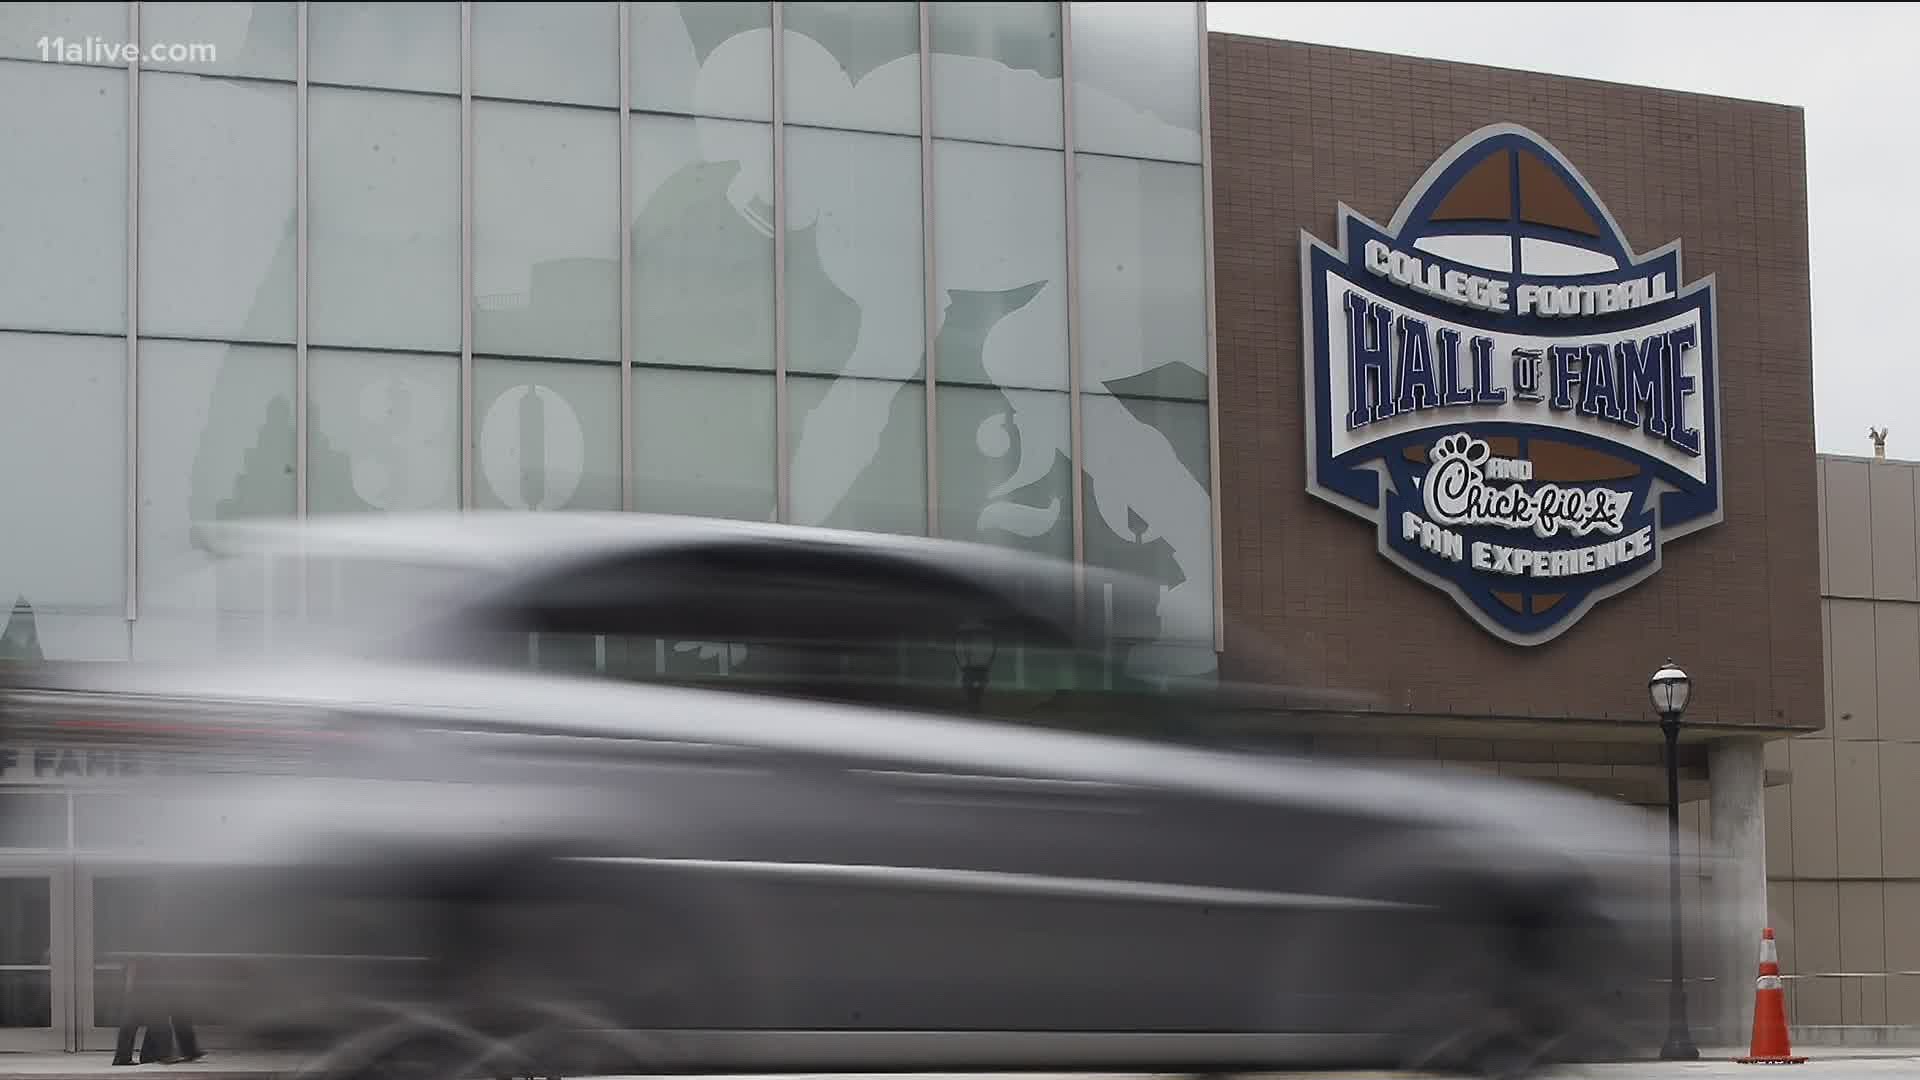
column 1297, row 129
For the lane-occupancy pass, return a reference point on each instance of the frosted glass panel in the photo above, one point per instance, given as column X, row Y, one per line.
column 23, row 25
column 1006, row 475
column 854, row 281
column 703, row 443
column 384, row 227
column 1143, row 305
column 1136, row 79
column 546, row 274
column 702, row 242
column 63, row 482
column 400, row 46
column 384, row 432
column 1148, row 511
column 562, row 52
column 707, row 59
column 216, row 444
column 1000, row 260
column 218, row 244
column 63, row 197
column 853, row 66
column 860, row 454
column 996, row 72
column 854, row 267
column 548, row 435
column 260, row 40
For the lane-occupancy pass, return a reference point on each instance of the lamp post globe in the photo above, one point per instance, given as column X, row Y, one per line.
column 1670, row 689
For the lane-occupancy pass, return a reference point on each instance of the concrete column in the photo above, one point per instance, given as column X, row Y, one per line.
column 1736, row 778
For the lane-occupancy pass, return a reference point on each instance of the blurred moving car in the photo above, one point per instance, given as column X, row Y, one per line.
column 419, row 850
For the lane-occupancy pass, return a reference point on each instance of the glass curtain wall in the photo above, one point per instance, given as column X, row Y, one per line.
column 928, row 268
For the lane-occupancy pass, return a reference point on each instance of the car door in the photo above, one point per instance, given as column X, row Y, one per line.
column 906, row 889
column 1031, row 899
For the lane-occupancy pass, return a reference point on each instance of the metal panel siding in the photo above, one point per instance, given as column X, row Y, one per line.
column 1821, row 474
column 1863, row 947
column 1896, row 646
column 1855, row 684
column 1890, row 498
column 1900, row 816
column 1849, row 529
column 1815, row 840
column 1856, row 786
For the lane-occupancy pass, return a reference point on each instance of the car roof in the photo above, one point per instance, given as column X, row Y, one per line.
column 503, row 539
column 509, row 544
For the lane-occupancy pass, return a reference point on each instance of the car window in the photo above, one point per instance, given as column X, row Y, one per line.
column 810, row 624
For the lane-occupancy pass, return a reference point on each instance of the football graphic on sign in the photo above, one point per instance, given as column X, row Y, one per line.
column 1525, row 408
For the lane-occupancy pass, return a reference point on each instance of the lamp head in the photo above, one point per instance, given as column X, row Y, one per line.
column 1670, row 688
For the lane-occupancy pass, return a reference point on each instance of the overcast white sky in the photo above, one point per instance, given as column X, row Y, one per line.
column 1849, row 65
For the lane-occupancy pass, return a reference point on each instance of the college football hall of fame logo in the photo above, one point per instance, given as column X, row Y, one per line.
column 1527, row 410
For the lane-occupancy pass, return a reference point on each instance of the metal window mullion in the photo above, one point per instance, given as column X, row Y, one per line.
column 132, row 402
column 930, row 317
column 1213, row 337
column 626, row 268
column 300, row 271
column 466, row 257
column 1069, row 172
column 782, row 480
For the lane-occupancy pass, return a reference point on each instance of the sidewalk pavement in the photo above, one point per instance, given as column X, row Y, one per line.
column 98, row 1065
column 243, row 1065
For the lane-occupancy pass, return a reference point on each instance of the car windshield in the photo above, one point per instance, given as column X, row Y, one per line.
column 371, row 603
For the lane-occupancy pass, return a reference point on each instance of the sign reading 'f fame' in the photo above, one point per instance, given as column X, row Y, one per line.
column 1527, row 410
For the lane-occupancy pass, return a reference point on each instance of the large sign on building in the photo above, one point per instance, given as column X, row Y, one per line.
column 1526, row 409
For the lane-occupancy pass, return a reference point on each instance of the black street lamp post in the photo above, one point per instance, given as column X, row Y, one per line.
column 973, row 649
column 1670, row 688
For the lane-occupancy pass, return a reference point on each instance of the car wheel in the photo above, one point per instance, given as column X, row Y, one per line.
column 535, row 1041
column 1462, row 1016
column 1510, row 997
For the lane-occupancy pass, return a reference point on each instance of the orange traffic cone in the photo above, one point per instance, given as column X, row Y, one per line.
column 1771, row 1045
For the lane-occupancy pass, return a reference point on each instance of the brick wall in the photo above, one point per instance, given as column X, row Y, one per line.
column 1298, row 129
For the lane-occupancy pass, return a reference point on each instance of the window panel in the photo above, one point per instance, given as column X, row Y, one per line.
column 859, row 454
column 854, row 280
column 23, row 25
column 384, row 220
column 1143, row 304
column 546, row 273
column 1006, row 471
column 63, row 483
column 399, row 46
column 1136, row 79
column 218, row 243
column 30, row 819
column 216, row 444
column 384, row 431
column 703, row 59
column 702, row 243
column 1148, row 509
column 1000, row 259
column 548, row 435
column 260, row 40
column 853, row 66
column 854, row 269
column 996, row 72
column 63, row 197
column 560, row 52
column 703, row 443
